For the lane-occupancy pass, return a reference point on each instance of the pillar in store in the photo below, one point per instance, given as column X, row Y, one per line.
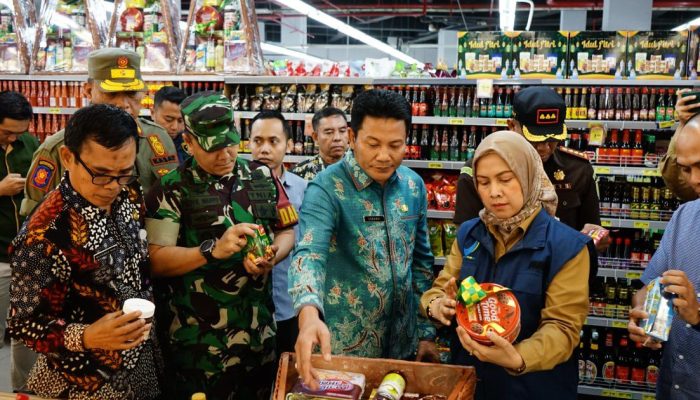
column 447, row 47
column 572, row 20
column 293, row 31
column 627, row 15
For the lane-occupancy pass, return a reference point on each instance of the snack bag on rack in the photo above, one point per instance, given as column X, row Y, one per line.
column 67, row 32
column 15, row 41
column 221, row 37
column 150, row 28
column 435, row 236
column 450, row 231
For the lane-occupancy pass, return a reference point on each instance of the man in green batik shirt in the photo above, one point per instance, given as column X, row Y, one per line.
column 215, row 304
column 363, row 258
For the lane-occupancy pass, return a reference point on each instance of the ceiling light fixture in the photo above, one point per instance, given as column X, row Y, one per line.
column 506, row 11
column 342, row 27
column 687, row 25
column 272, row 48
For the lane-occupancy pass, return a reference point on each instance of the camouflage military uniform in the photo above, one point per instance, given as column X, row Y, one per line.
column 310, row 168
column 220, row 335
column 114, row 70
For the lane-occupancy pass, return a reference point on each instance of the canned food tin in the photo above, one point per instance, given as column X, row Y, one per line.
column 498, row 312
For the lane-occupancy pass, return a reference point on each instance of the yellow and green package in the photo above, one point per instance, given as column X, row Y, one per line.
column 435, row 234
column 450, row 231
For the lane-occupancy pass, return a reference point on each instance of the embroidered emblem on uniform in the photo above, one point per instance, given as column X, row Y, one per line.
column 41, row 176
column 404, row 208
column 156, row 145
column 559, row 175
column 468, row 251
column 163, row 171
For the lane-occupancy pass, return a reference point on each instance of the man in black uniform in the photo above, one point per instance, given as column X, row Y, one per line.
column 539, row 114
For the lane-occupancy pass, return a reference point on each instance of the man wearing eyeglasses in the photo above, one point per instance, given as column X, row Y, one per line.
column 114, row 77
column 77, row 259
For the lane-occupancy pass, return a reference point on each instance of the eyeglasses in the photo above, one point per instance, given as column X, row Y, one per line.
column 102, row 180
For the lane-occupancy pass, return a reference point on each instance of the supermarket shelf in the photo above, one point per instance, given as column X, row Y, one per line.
column 441, row 214
column 619, row 273
column 287, row 159
column 620, row 170
column 453, row 165
column 608, row 222
column 287, row 116
column 183, row 78
column 615, row 393
column 262, row 80
column 618, row 82
column 72, row 110
column 606, row 322
column 83, row 78
column 574, row 124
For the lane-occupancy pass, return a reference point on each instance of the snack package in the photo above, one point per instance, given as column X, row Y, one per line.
column 150, row 28
column 289, row 99
column 222, row 37
column 435, row 234
column 68, row 31
column 659, row 306
column 450, row 231
column 598, row 235
column 483, row 54
column 333, row 385
column 657, row 55
column 258, row 248
column 487, row 307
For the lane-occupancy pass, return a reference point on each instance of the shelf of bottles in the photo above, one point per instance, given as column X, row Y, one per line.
column 612, row 365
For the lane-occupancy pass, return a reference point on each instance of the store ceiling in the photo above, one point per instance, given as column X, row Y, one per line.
column 415, row 21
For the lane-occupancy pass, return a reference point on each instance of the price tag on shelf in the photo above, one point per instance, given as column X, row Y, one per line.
column 54, row 110
column 606, row 223
column 585, row 322
column 641, row 225
column 666, row 124
column 616, row 394
column 437, row 165
column 651, row 172
column 648, row 397
column 501, row 122
column 633, row 275
column 597, row 135
column 619, row 324
column 456, row 121
column 484, row 88
column 602, row 170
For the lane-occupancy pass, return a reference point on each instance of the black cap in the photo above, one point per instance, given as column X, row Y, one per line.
column 541, row 112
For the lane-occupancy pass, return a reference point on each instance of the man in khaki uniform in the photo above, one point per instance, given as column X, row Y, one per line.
column 114, row 77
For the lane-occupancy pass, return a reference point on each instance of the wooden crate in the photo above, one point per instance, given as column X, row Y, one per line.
column 457, row 383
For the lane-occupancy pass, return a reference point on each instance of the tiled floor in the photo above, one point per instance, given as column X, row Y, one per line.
column 5, row 369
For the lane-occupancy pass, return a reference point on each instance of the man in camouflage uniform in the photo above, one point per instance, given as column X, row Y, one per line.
column 114, row 77
column 215, row 303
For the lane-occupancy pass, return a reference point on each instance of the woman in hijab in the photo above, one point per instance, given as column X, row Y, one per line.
column 516, row 243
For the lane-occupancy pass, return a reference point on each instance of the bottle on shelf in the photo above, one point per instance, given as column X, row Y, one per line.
column 639, row 365
column 608, row 369
column 661, row 106
column 424, row 144
column 622, row 367
column 593, row 359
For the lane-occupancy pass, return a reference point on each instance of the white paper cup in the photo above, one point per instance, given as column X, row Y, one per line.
column 146, row 307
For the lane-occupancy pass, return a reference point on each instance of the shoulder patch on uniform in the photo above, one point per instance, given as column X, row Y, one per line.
column 164, row 159
column 156, row 145
column 573, row 152
column 41, row 174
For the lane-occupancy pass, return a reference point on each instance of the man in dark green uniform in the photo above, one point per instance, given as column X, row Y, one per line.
column 17, row 148
column 539, row 114
column 216, row 306
column 114, row 77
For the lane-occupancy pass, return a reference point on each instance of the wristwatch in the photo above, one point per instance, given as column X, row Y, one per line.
column 207, row 249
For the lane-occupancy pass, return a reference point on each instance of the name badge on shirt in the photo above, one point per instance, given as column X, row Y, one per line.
column 374, row 218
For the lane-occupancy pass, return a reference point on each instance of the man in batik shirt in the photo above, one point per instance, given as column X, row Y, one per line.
column 219, row 312
column 76, row 260
column 331, row 134
column 363, row 259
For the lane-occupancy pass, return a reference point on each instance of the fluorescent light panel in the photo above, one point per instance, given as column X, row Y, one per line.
column 342, row 27
column 271, row 48
column 687, row 25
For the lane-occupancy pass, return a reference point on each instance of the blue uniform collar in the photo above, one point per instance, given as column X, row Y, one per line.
column 535, row 236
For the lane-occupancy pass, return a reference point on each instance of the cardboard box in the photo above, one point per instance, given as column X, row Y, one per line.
column 481, row 54
column 457, row 383
column 539, row 54
column 597, row 55
column 657, row 54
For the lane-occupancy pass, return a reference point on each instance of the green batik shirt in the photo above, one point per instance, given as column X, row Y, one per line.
column 363, row 259
column 219, row 317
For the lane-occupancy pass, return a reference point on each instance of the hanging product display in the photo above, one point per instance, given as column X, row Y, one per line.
column 539, row 54
column 657, row 55
column 68, row 31
column 14, row 56
column 222, row 36
column 147, row 27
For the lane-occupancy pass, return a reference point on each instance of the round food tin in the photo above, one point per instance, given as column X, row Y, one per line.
column 498, row 312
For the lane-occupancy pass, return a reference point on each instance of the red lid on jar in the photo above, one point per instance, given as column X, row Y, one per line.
column 498, row 312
